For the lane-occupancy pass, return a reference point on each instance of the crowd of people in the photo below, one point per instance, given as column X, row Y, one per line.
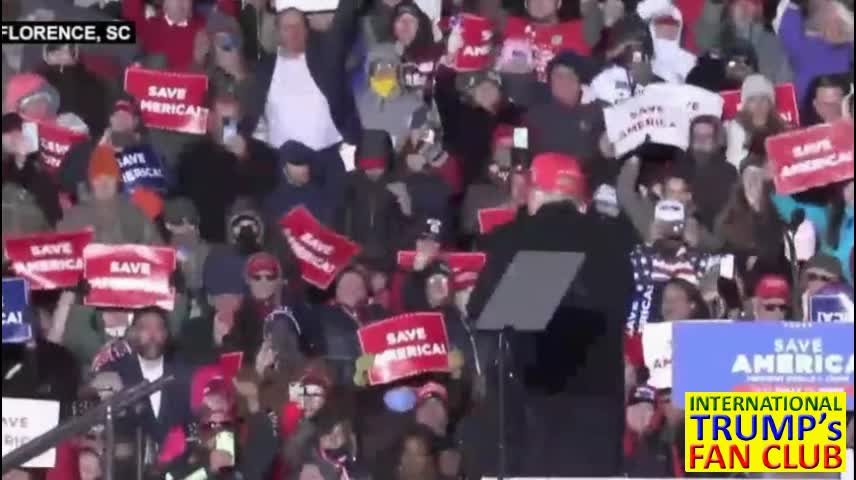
column 366, row 117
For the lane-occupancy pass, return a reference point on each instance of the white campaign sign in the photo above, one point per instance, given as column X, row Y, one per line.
column 307, row 5
column 657, row 346
column 662, row 114
column 24, row 420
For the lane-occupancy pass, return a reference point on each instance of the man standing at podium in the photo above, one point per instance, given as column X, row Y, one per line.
column 565, row 386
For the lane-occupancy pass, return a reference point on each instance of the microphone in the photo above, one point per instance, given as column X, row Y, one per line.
column 797, row 219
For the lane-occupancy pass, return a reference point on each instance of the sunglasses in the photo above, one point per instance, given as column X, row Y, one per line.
column 819, row 277
column 775, row 307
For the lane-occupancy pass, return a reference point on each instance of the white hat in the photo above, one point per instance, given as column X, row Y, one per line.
column 670, row 211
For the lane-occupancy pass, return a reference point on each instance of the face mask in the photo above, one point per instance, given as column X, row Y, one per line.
column 400, row 400
column 383, row 86
column 247, row 242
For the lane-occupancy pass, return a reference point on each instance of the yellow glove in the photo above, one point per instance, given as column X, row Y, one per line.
column 363, row 365
column 456, row 364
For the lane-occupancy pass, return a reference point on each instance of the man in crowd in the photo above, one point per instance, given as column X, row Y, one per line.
column 284, row 117
column 572, row 356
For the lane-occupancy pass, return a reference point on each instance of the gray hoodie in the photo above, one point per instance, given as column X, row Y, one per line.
column 392, row 114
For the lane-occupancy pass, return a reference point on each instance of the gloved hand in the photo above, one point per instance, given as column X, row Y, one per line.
column 363, row 364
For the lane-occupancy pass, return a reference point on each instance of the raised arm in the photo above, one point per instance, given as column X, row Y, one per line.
column 637, row 208
column 708, row 28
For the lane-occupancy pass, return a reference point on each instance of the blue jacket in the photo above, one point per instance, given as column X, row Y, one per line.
column 819, row 216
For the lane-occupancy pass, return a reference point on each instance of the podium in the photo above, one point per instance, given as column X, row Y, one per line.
column 525, row 300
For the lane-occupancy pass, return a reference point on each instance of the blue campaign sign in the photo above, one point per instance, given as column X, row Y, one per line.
column 15, row 297
column 142, row 167
column 762, row 357
column 831, row 308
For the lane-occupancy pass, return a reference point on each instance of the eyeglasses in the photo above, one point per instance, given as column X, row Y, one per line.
column 775, row 307
column 820, row 277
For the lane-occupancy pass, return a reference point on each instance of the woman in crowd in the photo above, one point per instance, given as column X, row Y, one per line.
column 757, row 120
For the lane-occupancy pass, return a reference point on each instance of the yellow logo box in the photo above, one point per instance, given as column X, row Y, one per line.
column 765, row 432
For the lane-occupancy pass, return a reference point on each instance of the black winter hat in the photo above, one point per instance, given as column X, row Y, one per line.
column 375, row 144
column 295, row 153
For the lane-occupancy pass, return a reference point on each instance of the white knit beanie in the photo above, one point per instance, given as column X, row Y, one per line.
column 757, row 86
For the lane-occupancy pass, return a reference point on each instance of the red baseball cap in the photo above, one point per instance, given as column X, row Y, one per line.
column 124, row 106
column 556, row 172
column 667, row 20
column 262, row 262
column 773, row 287
column 503, row 136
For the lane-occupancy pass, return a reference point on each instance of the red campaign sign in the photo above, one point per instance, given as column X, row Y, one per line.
column 492, row 218
column 406, row 346
column 548, row 40
column 473, row 35
column 322, row 253
column 786, row 104
column 466, row 266
column 54, row 144
column 231, row 364
column 170, row 100
column 129, row 276
column 812, row 157
column 49, row 261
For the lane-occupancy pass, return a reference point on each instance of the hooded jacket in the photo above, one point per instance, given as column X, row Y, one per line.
column 287, row 196
column 671, row 61
column 394, row 113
